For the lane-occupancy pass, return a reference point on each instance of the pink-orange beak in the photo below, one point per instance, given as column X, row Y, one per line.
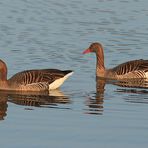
column 86, row 51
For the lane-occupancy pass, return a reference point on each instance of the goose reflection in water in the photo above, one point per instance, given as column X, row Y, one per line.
column 95, row 103
column 135, row 86
column 29, row 99
column 137, row 90
column 3, row 106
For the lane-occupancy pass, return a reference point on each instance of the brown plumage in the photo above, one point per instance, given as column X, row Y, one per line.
column 32, row 80
column 135, row 69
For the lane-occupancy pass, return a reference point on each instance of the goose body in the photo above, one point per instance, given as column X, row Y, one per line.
column 136, row 69
column 32, row 80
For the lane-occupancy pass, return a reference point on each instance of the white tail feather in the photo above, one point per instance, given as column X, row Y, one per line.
column 57, row 83
column 146, row 74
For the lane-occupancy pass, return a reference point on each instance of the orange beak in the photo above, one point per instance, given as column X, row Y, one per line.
column 86, row 51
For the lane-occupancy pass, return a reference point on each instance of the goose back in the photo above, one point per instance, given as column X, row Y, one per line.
column 35, row 80
column 131, row 69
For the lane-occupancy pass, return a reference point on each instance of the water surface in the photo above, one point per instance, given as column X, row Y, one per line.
column 53, row 34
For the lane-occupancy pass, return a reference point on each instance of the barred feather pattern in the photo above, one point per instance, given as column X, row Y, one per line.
column 132, row 69
column 35, row 80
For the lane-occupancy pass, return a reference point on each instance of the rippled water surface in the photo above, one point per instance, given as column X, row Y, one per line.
column 52, row 34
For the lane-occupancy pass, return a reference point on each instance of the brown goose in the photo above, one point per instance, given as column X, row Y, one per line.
column 32, row 80
column 136, row 69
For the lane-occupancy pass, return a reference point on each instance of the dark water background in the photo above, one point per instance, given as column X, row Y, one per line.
column 53, row 34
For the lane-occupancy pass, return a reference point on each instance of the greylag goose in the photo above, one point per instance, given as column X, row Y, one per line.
column 136, row 69
column 32, row 80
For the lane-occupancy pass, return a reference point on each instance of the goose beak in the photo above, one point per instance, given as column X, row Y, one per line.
column 86, row 51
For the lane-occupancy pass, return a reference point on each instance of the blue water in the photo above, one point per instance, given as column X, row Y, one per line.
column 53, row 34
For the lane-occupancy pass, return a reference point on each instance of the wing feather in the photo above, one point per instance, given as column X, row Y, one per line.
column 131, row 66
column 35, row 79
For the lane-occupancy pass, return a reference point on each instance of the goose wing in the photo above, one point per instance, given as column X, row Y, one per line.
column 131, row 66
column 36, row 79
